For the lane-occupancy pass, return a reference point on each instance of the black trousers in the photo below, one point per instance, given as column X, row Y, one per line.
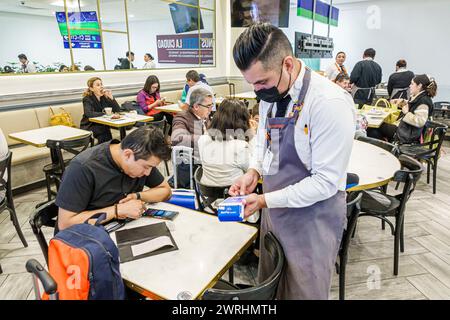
column 385, row 132
column 101, row 133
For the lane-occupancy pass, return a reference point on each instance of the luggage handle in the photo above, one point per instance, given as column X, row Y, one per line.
column 40, row 274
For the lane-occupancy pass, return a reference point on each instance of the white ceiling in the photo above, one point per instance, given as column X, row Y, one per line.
column 111, row 10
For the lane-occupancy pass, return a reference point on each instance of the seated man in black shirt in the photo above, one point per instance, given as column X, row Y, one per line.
column 110, row 178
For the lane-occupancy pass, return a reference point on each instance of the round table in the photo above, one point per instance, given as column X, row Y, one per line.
column 374, row 165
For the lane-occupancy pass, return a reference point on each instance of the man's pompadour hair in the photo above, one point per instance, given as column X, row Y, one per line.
column 261, row 42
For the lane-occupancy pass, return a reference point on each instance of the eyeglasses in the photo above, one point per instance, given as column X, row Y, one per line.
column 208, row 106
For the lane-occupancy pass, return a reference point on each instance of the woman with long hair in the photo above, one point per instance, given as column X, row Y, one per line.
column 95, row 100
column 149, row 98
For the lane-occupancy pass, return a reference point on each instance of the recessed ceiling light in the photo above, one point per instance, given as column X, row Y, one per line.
column 131, row 16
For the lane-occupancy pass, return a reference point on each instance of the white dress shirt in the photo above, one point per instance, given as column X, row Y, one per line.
column 325, row 150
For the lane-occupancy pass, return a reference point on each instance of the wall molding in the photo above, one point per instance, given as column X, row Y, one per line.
column 45, row 98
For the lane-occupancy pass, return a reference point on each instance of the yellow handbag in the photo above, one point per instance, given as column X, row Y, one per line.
column 394, row 112
column 61, row 119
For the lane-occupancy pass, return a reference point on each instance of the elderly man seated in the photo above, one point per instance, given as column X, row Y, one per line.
column 110, row 178
column 188, row 126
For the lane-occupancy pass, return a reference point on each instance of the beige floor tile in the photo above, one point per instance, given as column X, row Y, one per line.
column 437, row 267
column 431, row 287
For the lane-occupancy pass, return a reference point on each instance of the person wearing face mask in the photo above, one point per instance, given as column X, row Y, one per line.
column 303, row 146
column 415, row 113
column 337, row 67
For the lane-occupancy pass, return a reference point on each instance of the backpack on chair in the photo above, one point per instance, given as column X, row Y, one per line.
column 84, row 262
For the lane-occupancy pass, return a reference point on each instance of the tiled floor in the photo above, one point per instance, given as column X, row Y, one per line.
column 424, row 266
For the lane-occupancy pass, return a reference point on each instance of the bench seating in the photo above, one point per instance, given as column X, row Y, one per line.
column 27, row 160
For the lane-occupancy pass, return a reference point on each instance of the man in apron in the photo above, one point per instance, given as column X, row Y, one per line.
column 365, row 76
column 304, row 142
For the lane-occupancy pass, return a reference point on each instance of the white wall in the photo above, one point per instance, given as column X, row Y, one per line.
column 43, row 82
column 38, row 37
column 415, row 30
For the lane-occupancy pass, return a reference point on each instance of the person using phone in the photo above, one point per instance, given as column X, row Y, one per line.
column 149, row 98
column 95, row 100
column 109, row 178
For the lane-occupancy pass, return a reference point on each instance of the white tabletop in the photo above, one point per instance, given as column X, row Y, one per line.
column 249, row 95
column 374, row 166
column 39, row 137
column 375, row 119
column 206, row 248
column 125, row 120
column 170, row 108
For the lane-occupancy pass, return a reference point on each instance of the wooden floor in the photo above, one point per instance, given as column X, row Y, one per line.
column 424, row 266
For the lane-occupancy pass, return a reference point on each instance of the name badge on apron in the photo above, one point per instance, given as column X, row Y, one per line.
column 267, row 161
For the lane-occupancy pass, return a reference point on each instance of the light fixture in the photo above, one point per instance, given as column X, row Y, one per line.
column 131, row 16
column 70, row 4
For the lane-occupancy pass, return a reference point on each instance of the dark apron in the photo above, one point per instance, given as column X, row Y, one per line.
column 310, row 236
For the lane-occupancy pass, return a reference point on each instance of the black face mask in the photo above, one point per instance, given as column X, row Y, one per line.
column 272, row 95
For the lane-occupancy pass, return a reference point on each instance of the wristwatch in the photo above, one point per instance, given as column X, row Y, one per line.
column 138, row 195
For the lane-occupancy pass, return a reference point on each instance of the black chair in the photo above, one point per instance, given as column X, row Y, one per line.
column 6, row 200
column 389, row 147
column 164, row 126
column 206, row 195
column 54, row 171
column 353, row 210
column 441, row 109
column 379, row 204
column 428, row 152
column 266, row 290
column 45, row 215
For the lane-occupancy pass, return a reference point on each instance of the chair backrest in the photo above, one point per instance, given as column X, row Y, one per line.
column 74, row 146
column 46, row 216
column 409, row 175
column 5, row 173
column 266, row 290
column 163, row 125
column 435, row 134
column 352, row 180
column 182, row 154
column 206, row 195
column 440, row 106
column 379, row 143
column 353, row 210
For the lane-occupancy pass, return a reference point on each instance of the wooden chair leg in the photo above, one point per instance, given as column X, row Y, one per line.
column 16, row 224
column 428, row 172
column 398, row 228
column 435, row 167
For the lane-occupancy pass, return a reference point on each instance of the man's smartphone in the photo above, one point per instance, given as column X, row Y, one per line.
column 160, row 214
